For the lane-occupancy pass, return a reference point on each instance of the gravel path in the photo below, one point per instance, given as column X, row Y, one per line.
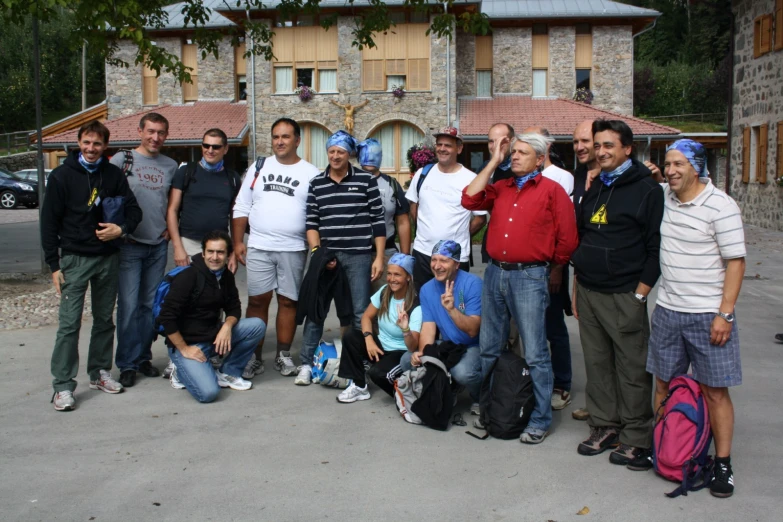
column 33, row 310
column 18, row 215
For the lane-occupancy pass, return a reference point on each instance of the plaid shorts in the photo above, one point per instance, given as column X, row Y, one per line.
column 680, row 339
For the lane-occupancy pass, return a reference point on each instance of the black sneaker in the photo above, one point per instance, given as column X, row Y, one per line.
column 601, row 439
column 722, row 483
column 625, row 454
column 148, row 370
column 127, row 378
column 642, row 462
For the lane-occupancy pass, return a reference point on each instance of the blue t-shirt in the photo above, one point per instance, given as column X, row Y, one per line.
column 467, row 299
column 389, row 333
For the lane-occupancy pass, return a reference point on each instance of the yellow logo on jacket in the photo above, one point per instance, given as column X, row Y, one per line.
column 599, row 218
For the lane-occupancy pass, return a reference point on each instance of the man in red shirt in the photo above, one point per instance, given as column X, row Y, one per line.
column 533, row 229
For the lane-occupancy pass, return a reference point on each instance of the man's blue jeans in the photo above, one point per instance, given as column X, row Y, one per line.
column 358, row 270
column 141, row 270
column 199, row 377
column 525, row 295
column 466, row 372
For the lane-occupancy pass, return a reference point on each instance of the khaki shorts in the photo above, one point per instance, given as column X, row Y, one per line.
column 281, row 271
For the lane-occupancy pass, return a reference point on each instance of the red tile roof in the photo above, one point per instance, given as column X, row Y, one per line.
column 559, row 116
column 187, row 124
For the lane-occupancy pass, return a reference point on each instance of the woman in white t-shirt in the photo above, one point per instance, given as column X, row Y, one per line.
column 396, row 307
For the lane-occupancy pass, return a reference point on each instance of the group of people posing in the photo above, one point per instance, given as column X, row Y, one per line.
column 345, row 235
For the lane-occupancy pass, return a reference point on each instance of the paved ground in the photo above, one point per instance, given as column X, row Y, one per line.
column 282, row 452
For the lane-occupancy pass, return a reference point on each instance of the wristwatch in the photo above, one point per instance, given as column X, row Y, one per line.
column 367, row 334
column 729, row 318
column 124, row 232
column 641, row 298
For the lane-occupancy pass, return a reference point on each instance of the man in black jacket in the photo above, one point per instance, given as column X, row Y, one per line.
column 190, row 316
column 616, row 266
column 73, row 222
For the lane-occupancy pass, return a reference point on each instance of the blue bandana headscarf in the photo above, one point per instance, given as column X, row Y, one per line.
column 448, row 248
column 521, row 180
column 610, row 177
column 90, row 167
column 695, row 152
column 343, row 140
column 403, row 261
column 506, row 165
column 370, row 153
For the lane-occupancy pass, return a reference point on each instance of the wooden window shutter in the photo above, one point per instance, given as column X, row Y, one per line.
column 149, row 93
column 583, row 58
column 765, row 40
column 305, row 39
column 778, row 25
column 240, row 62
column 326, row 42
column 283, row 44
column 746, row 154
column 190, row 59
column 761, row 159
column 779, row 154
column 483, row 53
column 373, row 75
column 540, row 51
column 419, row 74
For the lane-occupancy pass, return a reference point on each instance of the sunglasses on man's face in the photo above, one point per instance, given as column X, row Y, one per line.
column 213, row 146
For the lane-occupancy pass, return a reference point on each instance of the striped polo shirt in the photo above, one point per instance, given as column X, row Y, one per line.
column 697, row 238
column 347, row 215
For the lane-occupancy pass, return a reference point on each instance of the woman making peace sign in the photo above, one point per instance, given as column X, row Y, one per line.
column 396, row 307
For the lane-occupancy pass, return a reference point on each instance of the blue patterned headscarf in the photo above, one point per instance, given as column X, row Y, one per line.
column 448, row 248
column 403, row 261
column 370, row 153
column 521, row 180
column 343, row 140
column 694, row 152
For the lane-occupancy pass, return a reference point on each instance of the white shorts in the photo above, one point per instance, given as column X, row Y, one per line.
column 281, row 271
column 191, row 246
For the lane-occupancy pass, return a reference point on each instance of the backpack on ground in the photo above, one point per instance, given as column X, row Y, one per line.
column 507, row 398
column 423, row 395
column 326, row 364
column 682, row 437
column 424, row 171
column 163, row 290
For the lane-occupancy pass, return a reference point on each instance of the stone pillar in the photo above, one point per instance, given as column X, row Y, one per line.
column 466, row 60
column 216, row 76
column 612, row 75
column 512, row 69
column 562, row 72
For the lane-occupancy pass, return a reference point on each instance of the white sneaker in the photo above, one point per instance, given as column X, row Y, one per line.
column 64, row 401
column 305, row 376
column 106, row 383
column 285, row 364
column 475, row 409
column 353, row 393
column 235, row 383
column 253, row 367
column 174, row 380
column 560, row 399
column 169, row 368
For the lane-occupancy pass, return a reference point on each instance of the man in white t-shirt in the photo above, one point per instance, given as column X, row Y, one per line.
column 436, row 206
column 273, row 201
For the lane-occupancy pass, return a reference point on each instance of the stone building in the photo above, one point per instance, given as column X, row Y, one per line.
column 757, row 112
column 535, row 50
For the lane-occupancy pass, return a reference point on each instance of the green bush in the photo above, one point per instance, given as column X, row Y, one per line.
column 679, row 88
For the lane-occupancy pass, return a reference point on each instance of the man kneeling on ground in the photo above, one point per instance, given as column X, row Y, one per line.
column 190, row 317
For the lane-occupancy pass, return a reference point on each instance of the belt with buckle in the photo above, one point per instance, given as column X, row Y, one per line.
column 517, row 266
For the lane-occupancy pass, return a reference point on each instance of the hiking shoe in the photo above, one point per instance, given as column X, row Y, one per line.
column 216, row 361
column 624, row 454
column 722, row 483
column 174, row 380
column 106, row 383
column 478, row 424
column 235, row 383
column 284, row 364
column 533, row 436
column 642, row 462
column 305, row 376
column 128, row 378
column 779, row 337
column 580, row 414
column 252, row 368
column 147, row 370
column 560, row 399
column 601, row 438
column 64, row 401
column 169, row 368
column 475, row 409
column 353, row 393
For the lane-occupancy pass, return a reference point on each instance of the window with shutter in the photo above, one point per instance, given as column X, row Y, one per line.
column 762, row 35
column 240, row 72
column 400, row 57
column 305, row 55
column 396, row 138
column 746, row 154
column 484, row 66
column 190, row 59
column 149, row 92
column 778, row 25
column 761, row 175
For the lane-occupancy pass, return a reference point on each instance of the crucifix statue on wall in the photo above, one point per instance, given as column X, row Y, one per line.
column 349, row 110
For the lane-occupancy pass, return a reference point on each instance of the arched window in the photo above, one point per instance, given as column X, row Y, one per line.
column 396, row 138
column 312, row 147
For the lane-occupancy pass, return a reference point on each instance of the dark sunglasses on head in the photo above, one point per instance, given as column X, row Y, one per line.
column 212, row 146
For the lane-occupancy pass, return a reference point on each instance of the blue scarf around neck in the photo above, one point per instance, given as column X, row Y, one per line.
column 521, row 180
column 218, row 273
column 607, row 178
column 90, row 167
column 211, row 168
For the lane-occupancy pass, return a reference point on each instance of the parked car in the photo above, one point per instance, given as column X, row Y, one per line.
column 32, row 175
column 15, row 191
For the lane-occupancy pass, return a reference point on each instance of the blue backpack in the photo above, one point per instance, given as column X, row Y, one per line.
column 163, row 290
column 424, row 171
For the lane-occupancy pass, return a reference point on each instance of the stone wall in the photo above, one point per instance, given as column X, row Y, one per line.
column 216, row 75
column 425, row 110
column 757, row 99
column 512, row 69
column 24, row 160
column 466, row 64
column 612, row 77
column 562, row 72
